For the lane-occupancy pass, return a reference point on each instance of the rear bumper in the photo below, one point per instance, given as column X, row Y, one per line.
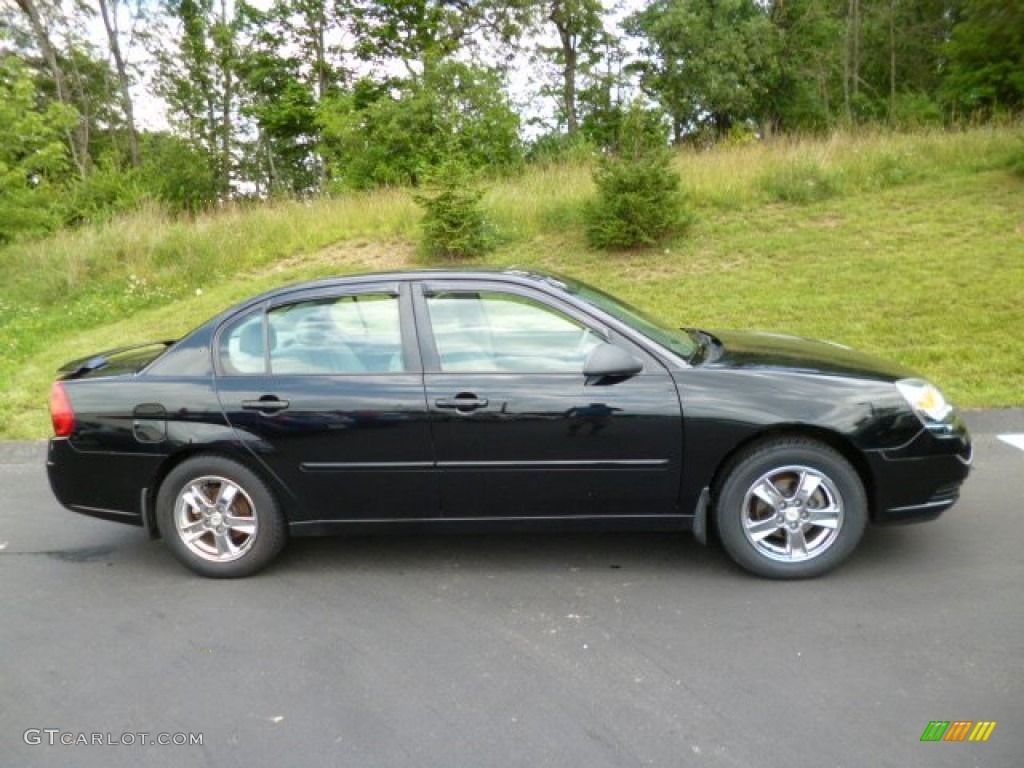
column 109, row 486
column 921, row 480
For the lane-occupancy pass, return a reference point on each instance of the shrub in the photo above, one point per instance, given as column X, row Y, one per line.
column 107, row 190
column 556, row 148
column 915, row 111
column 177, row 173
column 453, row 224
column 638, row 198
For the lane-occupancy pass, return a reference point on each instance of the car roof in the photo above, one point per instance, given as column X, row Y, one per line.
column 509, row 274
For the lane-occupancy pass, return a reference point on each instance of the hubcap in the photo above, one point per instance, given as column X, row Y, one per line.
column 215, row 519
column 792, row 514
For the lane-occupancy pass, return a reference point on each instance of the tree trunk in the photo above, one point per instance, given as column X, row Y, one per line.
column 560, row 18
column 78, row 87
column 322, row 83
column 108, row 11
column 892, row 60
column 75, row 136
column 851, row 58
column 856, row 45
column 226, row 127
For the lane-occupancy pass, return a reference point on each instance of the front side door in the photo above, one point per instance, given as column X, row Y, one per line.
column 519, row 432
column 327, row 391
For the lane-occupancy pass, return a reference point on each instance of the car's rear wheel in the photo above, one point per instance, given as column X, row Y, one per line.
column 790, row 508
column 219, row 518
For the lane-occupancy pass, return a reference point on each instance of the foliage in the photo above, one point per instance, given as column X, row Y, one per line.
column 108, row 190
column 804, row 94
column 453, row 224
column 706, row 61
column 986, row 57
column 196, row 77
column 263, row 100
column 914, row 110
column 420, row 34
column 582, row 42
column 557, row 147
column 638, row 198
column 286, row 70
column 178, row 174
column 34, row 160
column 385, row 134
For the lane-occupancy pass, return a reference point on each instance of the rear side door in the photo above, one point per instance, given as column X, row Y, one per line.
column 326, row 390
column 519, row 432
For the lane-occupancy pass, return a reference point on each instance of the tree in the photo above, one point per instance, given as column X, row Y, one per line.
column 892, row 55
column 638, row 199
column 453, row 225
column 707, row 62
column 196, row 76
column 808, row 65
column 579, row 26
column 178, row 173
column 34, row 158
column 420, row 34
column 109, row 13
column 287, row 68
column 986, row 57
column 35, row 12
column 388, row 134
column 600, row 101
column 54, row 38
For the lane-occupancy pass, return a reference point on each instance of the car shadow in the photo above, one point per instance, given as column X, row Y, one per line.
column 677, row 553
column 891, row 551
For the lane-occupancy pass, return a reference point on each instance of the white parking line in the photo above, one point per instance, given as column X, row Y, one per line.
column 1017, row 441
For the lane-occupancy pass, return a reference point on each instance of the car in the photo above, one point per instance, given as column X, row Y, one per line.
column 496, row 400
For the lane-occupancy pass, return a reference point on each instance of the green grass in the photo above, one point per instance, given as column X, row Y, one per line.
column 911, row 247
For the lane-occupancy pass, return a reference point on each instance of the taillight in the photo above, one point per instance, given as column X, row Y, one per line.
column 61, row 414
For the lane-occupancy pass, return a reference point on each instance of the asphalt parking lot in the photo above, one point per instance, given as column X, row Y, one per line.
column 569, row 650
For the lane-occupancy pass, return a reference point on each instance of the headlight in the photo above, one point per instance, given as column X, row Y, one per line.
column 926, row 401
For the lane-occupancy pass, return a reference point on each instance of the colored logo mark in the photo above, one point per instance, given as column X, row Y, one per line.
column 958, row 730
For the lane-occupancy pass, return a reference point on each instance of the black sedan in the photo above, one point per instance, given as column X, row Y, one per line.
column 505, row 400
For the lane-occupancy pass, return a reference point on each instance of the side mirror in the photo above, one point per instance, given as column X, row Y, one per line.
column 608, row 360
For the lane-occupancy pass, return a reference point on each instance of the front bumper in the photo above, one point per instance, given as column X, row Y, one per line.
column 922, row 479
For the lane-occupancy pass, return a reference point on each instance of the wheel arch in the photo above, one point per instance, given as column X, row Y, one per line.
column 835, row 440
column 191, row 451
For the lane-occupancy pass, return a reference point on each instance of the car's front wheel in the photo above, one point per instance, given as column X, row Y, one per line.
column 790, row 508
column 219, row 518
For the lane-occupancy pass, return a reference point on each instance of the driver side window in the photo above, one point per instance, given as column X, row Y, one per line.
column 495, row 332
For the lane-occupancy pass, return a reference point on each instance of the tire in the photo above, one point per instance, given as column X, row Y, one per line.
column 790, row 508
column 219, row 518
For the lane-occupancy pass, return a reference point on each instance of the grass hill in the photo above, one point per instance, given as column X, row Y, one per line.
column 908, row 246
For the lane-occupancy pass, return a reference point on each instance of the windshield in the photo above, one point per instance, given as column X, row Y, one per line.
column 676, row 340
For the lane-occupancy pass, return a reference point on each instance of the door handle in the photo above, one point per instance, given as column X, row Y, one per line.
column 463, row 402
column 266, row 404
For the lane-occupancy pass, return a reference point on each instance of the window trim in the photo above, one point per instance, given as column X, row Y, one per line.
column 220, row 366
column 407, row 328
column 428, row 341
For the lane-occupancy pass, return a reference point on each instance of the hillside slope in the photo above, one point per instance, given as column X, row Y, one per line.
column 910, row 247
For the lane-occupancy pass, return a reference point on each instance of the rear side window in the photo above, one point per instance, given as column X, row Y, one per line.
column 339, row 335
column 242, row 346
